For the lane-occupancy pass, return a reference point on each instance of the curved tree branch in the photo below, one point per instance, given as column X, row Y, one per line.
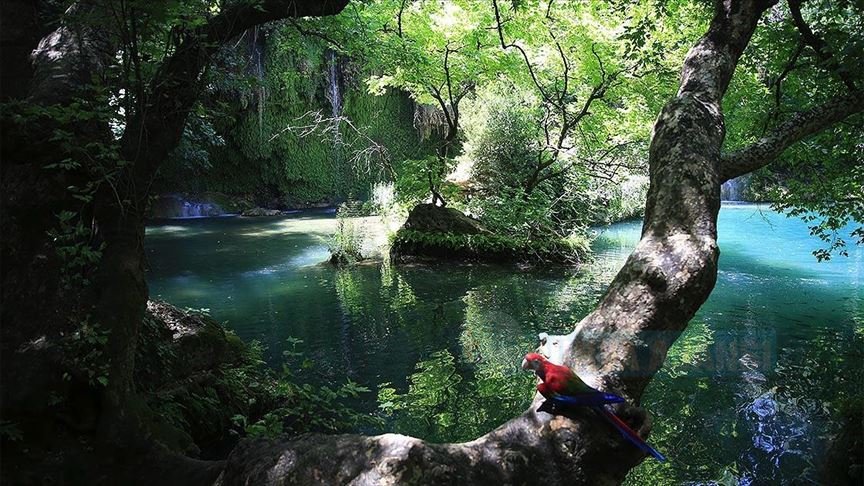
column 499, row 24
column 822, row 49
column 777, row 85
column 619, row 346
column 796, row 128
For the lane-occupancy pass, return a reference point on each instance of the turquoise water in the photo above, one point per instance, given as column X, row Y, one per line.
column 749, row 394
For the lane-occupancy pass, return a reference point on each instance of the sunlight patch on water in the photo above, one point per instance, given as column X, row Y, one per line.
column 310, row 256
column 306, row 226
column 175, row 231
column 813, row 281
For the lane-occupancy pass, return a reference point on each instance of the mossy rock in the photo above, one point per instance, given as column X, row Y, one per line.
column 442, row 233
column 200, row 343
column 430, row 218
column 257, row 212
column 196, row 376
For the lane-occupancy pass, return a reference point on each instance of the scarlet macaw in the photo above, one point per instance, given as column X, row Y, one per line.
column 560, row 385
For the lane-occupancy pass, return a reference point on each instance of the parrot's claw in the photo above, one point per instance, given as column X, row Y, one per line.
column 549, row 407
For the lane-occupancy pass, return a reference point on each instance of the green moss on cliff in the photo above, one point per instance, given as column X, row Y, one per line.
column 266, row 149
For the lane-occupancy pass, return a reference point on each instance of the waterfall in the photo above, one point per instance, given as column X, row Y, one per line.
column 334, row 83
column 257, row 53
column 334, row 95
column 733, row 189
column 256, row 68
column 190, row 209
column 177, row 206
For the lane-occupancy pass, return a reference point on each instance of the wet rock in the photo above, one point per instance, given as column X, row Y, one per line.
column 256, row 212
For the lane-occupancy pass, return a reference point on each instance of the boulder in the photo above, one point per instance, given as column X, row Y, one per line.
column 202, row 342
column 436, row 219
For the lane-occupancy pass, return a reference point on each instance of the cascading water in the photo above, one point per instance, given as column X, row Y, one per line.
column 257, row 69
column 173, row 206
column 334, row 83
column 190, row 209
column 334, row 95
column 733, row 189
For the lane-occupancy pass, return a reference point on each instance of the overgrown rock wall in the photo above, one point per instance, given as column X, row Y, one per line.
column 264, row 146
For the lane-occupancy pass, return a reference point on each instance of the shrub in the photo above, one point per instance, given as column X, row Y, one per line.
column 346, row 244
column 489, row 247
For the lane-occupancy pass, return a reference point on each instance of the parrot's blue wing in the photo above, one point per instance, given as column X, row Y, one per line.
column 630, row 434
column 597, row 400
column 587, row 399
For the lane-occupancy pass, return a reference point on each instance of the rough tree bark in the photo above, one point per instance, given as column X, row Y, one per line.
column 618, row 347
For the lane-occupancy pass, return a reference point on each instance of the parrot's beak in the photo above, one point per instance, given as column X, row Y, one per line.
column 525, row 365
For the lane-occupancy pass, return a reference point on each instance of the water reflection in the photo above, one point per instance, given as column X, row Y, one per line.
column 748, row 394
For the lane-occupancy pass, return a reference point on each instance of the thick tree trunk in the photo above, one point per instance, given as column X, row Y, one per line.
column 35, row 306
column 146, row 143
column 20, row 31
column 619, row 346
column 64, row 64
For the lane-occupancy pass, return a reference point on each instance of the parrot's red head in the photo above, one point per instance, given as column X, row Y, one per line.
column 533, row 361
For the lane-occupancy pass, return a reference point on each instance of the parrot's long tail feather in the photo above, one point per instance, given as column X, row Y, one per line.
column 630, row 434
column 587, row 399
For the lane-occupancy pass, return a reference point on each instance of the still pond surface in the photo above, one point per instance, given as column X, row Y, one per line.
column 749, row 394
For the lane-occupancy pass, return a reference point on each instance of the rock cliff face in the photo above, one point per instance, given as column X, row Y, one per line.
column 298, row 82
